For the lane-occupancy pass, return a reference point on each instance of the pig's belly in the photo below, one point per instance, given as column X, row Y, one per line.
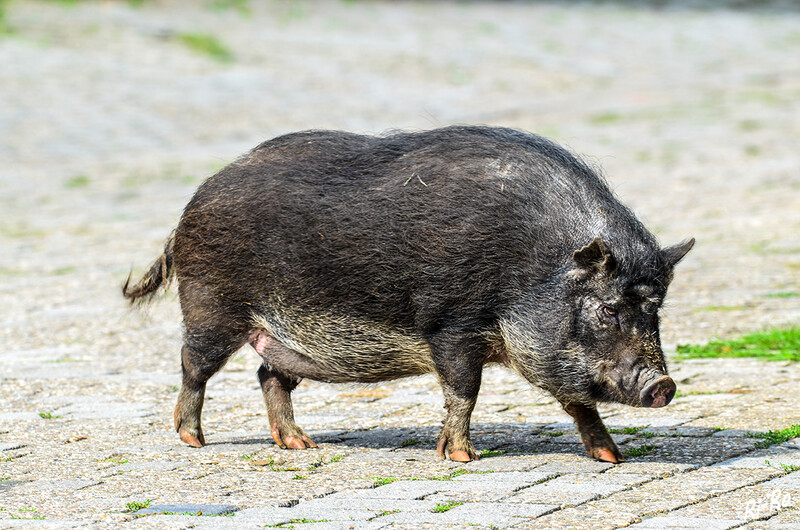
column 344, row 349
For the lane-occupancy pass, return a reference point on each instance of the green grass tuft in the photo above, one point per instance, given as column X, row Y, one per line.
column 135, row 506
column 644, row 450
column 787, row 468
column 770, row 438
column 382, row 481
column 242, row 6
column 81, row 181
column 489, row 453
column 627, row 430
column 553, row 434
column 207, row 45
column 605, row 117
column 451, row 476
column 5, row 29
column 48, row 416
column 786, row 294
column 780, row 344
column 441, row 508
column 721, row 308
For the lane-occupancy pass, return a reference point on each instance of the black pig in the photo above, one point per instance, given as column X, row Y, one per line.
column 349, row 258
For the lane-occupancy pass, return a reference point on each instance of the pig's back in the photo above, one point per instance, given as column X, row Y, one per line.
column 411, row 231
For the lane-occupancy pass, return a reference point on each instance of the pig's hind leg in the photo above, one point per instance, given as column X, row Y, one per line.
column 277, row 387
column 202, row 356
column 595, row 436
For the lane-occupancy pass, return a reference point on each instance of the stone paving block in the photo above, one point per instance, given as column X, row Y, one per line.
column 731, row 433
column 8, row 418
column 575, row 489
column 505, row 477
column 787, row 482
column 473, row 513
column 746, row 504
column 101, row 407
column 553, row 422
column 775, row 456
column 326, row 435
column 486, row 487
column 703, row 451
column 680, row 430
column 652, row 469
column 698, row 523
column 341, row 525
column 785, row 520
column 658, row 496
column 43, row 523
column 245, row 518
column 159, row 466
column 572, row 438
column 578, row 465
column 353, row 501
column 188, row 509
column 298, row 513
column 461, row 494
column 507, row 462
column 403, row 489
column 182, row 522
column 322, row 421
column 639, row 418
column 58, row 485
column 11, row 446
column 314, row 513
column 567, row 427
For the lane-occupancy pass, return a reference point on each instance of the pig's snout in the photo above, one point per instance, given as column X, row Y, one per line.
column 658, row 393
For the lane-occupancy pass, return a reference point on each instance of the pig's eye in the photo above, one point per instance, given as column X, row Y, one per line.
column 609, row 311
column 609, row 315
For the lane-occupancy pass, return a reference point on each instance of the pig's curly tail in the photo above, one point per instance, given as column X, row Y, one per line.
column 157, row 277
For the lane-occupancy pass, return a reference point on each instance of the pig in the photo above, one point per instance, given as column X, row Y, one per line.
column 348, row 258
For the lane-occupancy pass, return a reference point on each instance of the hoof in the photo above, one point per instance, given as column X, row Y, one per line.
column 459, row 455
column 607, row 455
column 462, row 456
column 292, row 441
column 191, row 439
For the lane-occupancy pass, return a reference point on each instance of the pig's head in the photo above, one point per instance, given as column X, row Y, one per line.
column 592, row 333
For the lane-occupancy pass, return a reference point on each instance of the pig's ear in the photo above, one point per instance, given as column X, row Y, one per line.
column 676, row 253
column 594, row 257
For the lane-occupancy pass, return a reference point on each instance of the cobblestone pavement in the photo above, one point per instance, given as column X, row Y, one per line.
column 109, row 119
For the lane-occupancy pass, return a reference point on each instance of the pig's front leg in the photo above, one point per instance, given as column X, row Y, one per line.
column 459, row 361
column 277, row 388
column 595, row 437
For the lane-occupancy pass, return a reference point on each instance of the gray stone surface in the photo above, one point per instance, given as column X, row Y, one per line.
column 108, row 122
column 687, row 522
column 188, row 509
